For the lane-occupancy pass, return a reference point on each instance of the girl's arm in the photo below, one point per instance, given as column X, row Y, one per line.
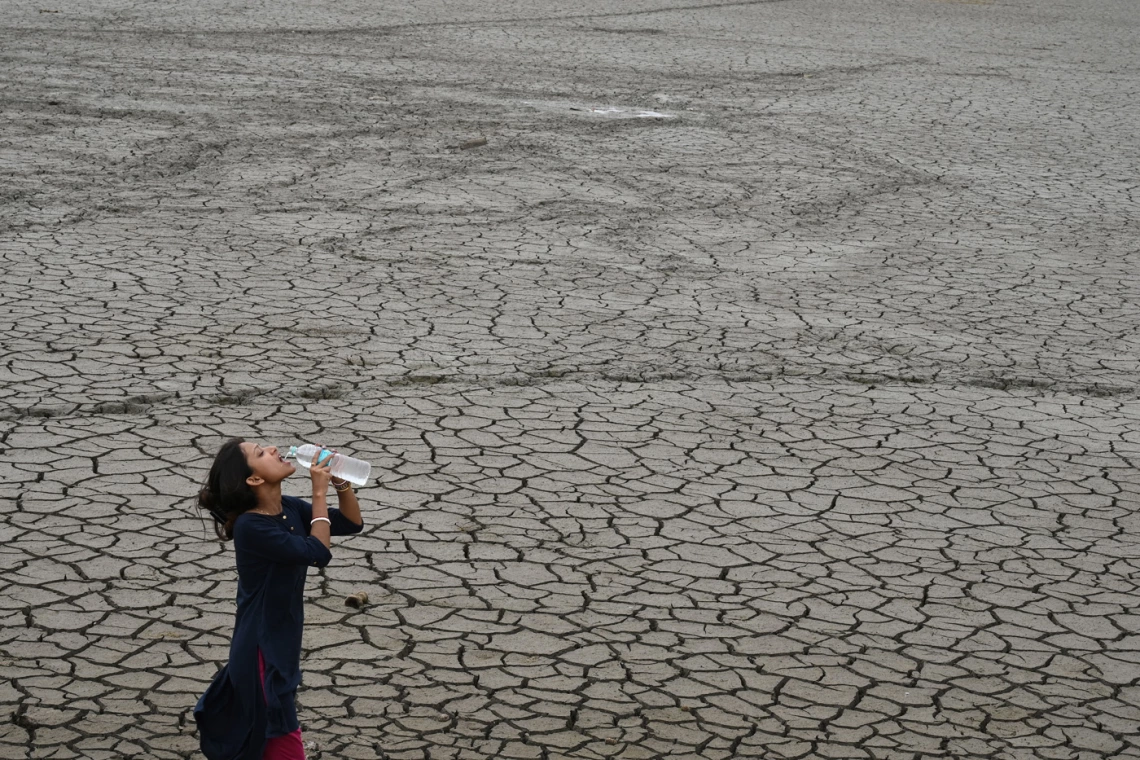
column 257, row 536
column 346, row 501
column 320, row 528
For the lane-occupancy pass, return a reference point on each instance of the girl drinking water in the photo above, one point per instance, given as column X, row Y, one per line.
column 248, row 711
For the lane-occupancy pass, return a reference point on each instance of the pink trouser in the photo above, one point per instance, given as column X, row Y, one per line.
column 287, row 747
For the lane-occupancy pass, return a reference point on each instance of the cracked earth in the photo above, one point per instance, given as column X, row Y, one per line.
column 765, row 386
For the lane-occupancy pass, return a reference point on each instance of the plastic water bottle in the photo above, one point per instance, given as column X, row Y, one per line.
column 355, row 471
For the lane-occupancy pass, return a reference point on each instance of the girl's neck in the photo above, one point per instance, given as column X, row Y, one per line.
column 268, row 498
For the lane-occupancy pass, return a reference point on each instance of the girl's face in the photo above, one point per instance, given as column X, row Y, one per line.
column 266, row 462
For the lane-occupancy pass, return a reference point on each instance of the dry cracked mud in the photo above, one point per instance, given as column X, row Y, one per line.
column 765, row 386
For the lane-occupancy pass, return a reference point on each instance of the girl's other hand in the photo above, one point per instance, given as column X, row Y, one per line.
column 321, row 472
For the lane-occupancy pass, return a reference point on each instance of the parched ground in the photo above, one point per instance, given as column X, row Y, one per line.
column 765, row 386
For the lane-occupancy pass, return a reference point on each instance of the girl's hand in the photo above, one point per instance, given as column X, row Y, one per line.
column 321, row 472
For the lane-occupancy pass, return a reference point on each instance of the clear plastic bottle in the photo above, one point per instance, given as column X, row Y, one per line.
column 355, row 471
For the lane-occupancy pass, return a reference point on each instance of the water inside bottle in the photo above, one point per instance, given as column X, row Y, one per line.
column 355, row 471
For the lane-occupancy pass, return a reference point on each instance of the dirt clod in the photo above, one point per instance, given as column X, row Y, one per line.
column 357, row 600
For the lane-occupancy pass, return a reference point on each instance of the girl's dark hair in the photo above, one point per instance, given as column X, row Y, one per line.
column 226, row 494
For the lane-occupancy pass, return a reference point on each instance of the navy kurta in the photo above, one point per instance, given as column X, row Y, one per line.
column 274, row 552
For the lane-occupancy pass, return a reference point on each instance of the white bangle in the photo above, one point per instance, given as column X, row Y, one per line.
column 320, row 519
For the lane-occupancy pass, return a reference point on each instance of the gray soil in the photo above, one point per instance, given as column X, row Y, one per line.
column 766, row 385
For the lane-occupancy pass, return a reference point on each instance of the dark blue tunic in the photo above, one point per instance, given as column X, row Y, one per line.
column 273, row 555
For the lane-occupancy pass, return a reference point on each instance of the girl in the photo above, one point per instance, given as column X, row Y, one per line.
column 248, row 712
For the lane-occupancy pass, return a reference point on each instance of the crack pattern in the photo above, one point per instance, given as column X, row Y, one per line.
column 798, row 420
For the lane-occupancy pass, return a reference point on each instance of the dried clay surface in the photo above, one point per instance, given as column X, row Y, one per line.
column 741, row 379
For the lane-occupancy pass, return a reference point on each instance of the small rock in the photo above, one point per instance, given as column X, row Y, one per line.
column 473, row 143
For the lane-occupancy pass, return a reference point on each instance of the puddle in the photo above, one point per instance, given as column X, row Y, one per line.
column 624, row 113
column 601, row 112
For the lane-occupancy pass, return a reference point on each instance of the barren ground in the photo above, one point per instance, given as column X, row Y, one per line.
column 766, row 386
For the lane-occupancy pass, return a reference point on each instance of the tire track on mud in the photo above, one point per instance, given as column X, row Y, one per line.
column 389, row 28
